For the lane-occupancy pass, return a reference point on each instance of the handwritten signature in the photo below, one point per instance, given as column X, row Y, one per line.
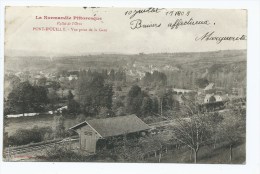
column 210, row 36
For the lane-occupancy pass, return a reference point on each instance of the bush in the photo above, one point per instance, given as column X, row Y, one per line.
column 62, row 154
column 26, row 136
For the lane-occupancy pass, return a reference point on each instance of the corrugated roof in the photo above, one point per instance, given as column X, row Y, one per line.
column 116, row 125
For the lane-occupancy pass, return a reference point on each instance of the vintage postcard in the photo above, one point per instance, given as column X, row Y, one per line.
column 125, row 85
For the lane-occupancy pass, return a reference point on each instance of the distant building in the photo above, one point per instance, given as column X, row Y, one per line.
column 152, row 93
column 90, row 132
column 183, row 91
column 209, row 98
column 225, row 97
column 218, row 98
column 61, row 78
column 209, row 87
column 62, row 108
column 71, row 77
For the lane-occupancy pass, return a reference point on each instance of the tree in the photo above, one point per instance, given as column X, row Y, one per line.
column 80, row 118
column 156, row 78
column 118, row 88
column 233, row 128
column 154, row 144
column 160, row 93
column 54, row 85
column 215, row 119
column 118, row 106
column 27, row 98
column 134, row 100
column 53, row 99
column 11, row 82
column 105, row 112
column 147, row 105
column 58, row 128
column 112, row 75
column 42, row 81
column 126, row 148
column 70, row 95
column 167, row 100
column 73, row 107
column 26, row 136
column 107, row 94
column 202, row 82
column 155, row 105
column 92, row 92
column 21, row 98
column 120, row 111
column 40, row 98
column 192, row 130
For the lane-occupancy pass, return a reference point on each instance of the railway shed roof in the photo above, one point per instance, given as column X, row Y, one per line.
column 115, row 126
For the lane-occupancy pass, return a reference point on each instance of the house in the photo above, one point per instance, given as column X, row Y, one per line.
column 183, row 91
column 62, row 108
column 209, row 98
column 91, row 131
column 71, row 77
column 218, row 98
column 223, row 98
column 61, row 78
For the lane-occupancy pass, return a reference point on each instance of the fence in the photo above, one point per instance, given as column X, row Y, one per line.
column 11, row 152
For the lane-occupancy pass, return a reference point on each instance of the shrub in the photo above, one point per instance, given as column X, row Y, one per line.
column 26, row 136
column 62, row 154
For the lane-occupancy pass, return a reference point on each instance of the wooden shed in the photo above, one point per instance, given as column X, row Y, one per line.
column 92, row 130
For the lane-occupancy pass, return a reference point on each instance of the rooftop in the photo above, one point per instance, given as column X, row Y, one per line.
column 209, row 87
column 115, row 125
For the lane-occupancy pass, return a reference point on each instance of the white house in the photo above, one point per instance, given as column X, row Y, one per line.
column 71, row 77
column 209, row 98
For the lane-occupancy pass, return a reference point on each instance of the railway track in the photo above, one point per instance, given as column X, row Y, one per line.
column 33, row 148
column 10, row 151
column 20, row 150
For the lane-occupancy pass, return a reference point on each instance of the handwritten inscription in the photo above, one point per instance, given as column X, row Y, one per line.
column 210, row 36
column 133, row 13
column 136, row 24
column 181, row 22
column 140, row 23
column 153, row 18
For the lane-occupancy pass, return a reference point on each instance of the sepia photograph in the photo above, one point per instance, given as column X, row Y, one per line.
column 125, row 85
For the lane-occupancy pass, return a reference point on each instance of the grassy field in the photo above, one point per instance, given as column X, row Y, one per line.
column 207, row 155
column 29, row 122
column 47, row 120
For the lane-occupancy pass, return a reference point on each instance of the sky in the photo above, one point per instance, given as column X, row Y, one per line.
column 119, row 38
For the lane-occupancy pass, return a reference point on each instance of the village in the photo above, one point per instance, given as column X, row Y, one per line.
column 139, row 112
